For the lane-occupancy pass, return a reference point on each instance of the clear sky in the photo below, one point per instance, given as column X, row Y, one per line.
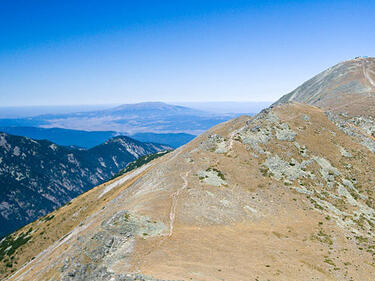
column 99, row 52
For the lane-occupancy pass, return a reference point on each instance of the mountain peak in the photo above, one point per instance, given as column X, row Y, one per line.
column 283, row 193
column 287, row 194
column 347, row 87
column 148, row 106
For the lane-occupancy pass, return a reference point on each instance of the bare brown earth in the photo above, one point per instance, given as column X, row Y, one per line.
column 287, row 195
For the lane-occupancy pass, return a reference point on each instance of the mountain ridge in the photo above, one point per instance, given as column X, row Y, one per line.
column 287, row 195
column 60, row 136
column 347, row 87
column 89, row 139
column 38, row 176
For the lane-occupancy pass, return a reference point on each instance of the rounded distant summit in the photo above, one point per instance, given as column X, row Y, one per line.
column 347, row 87
column 153, row 107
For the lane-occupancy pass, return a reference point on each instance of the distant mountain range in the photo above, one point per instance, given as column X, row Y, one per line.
column 89, row 139
column 129, row 119
column 66, row 137
column 37, row 176
column 157, row 122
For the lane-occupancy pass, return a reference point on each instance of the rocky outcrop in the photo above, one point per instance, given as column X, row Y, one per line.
column 285, row 195
column 290, row 183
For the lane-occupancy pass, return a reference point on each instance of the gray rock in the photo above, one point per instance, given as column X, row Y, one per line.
column 291, row 170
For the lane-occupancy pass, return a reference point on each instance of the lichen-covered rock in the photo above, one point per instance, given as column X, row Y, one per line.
column 129, row 224
column 284, row 133
column 217, row 144
column 344, row 152
column 255, row 136
column 212, row 176
column 291, row 170
column 114, row 241
column 301, row 149
column 358, row 127
column 262, row 129
column 327, row 171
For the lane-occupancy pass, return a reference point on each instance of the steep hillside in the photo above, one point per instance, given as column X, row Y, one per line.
column 287, row 195
column 38, row 176
column 347, row 87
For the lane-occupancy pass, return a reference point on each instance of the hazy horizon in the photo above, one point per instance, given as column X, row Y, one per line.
column 213, row 107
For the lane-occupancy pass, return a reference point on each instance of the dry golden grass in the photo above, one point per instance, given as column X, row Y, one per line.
column 253, row 228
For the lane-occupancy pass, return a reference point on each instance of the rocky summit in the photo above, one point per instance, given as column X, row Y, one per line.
column 347, row 87
column 285, row 195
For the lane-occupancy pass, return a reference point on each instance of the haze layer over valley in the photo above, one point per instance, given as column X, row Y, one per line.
column 147, row 117
column 155, row 122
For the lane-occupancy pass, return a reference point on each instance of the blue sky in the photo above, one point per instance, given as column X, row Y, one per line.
column 106, row 52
